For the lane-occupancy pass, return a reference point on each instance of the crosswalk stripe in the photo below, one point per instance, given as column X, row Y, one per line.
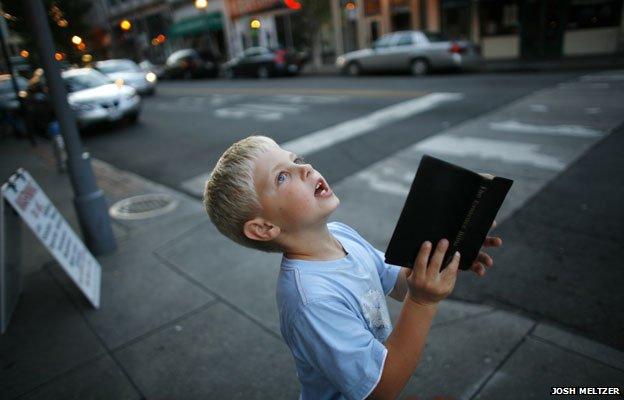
column 324, row 138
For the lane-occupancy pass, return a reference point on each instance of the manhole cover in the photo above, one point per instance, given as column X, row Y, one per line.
column 143, row 206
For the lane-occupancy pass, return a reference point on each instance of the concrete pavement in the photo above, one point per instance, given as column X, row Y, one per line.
column 186, row 314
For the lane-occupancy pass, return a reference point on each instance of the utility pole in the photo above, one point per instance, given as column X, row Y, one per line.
column 89, row 200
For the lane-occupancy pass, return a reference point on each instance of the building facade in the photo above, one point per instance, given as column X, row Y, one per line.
column 506, row 29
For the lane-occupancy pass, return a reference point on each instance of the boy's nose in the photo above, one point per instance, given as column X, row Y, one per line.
column 306, row 170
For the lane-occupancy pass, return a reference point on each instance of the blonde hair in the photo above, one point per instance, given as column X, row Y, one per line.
column 230, row 197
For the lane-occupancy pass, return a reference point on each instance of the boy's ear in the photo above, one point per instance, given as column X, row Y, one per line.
column 261, row 229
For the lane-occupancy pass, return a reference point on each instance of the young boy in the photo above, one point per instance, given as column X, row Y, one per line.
column 332, row 283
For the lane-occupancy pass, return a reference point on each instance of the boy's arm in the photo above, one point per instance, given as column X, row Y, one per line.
column 400, row 287
column 426, row 286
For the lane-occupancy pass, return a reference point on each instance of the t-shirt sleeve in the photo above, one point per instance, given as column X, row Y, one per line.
column 388, row 273
column 335, row 342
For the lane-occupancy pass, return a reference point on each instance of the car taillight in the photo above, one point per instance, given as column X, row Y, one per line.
column 457, row 49
column 280, row 56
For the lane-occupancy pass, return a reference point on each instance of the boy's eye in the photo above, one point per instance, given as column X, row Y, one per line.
column 299, row 160
column 281, row 177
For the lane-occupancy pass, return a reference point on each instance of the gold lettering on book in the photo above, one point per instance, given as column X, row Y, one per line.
column 464, row 225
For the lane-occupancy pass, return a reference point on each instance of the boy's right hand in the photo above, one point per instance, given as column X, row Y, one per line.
column 426, row 284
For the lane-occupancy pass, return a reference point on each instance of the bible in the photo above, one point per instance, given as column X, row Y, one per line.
column 446, row 201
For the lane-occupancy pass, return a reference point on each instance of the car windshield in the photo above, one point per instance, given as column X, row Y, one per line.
column 85, row 80
column 6, row 86
column 118, row 66
column 436, row 37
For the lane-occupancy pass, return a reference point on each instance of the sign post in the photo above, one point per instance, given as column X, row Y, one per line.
column 36, row 209
column 10, row 260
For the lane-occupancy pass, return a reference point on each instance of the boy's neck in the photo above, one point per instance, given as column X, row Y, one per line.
column 312, row 244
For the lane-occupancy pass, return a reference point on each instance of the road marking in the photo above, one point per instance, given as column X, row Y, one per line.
column 295, row 91
column 324, row 138
column 262, row 112
column 511, row 152
column 565, row 130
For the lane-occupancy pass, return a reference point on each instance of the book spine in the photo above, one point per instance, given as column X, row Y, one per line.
column 464, row 226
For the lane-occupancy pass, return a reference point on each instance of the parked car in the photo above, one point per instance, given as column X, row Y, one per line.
column 130, row 73
column 264, row 62
column 415, row 51
column 190, row 63
column 148, row 66
column 95, row 98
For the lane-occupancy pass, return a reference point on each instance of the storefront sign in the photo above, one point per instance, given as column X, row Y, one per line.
column 243, row 7
column 36, row 209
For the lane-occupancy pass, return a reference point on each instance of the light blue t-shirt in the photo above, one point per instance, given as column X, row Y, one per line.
column 334, row 318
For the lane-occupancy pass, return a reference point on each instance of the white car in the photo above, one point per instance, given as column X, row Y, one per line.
column 95, row 98
column 129, row 73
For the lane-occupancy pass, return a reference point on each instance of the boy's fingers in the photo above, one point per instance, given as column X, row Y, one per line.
column 485, row 259
column 438, row 255
column 493, row 241
column 450, row 272
column 478, row 268
column 420, row 265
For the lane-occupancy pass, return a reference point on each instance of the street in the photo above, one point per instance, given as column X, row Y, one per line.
column 186, row 126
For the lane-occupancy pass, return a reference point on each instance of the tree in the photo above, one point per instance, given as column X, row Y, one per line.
column 65, row 17
column 307, row 25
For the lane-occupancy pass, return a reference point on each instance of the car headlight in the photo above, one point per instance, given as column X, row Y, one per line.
column 150, row 77
column 119, row 82
column 82, row 106
column 340, row 61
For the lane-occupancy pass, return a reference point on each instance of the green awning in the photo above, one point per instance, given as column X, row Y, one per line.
column 196, row 24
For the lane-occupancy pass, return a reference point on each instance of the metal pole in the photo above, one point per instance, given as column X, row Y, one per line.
column 89, row 200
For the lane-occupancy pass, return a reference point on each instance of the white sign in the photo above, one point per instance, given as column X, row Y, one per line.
column 32, row 204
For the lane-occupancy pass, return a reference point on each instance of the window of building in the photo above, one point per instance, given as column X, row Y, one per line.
column 584, row 14
column 498, row 18
column 456, row 18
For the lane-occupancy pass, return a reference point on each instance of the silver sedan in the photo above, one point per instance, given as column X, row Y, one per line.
column 415, row 51
column 95, row 98
column 129, row 73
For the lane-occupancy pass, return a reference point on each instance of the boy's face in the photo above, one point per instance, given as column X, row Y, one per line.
column 293, row 195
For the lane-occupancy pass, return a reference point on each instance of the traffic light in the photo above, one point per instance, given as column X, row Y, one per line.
column 292, row 4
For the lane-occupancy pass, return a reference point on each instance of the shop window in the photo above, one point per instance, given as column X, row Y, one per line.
column 584, row 14
column 499, row 18
column 456, row 19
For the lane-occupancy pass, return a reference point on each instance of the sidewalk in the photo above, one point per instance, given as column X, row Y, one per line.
column 186, row 314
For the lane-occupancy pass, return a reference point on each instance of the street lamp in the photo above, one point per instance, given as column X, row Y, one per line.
column 201, row 4
column 76, row 40
column 255, row 24
column 125, row 25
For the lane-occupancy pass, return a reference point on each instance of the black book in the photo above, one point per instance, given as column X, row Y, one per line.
column 446, row 201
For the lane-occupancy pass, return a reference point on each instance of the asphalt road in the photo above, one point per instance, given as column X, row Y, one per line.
column 186, row 126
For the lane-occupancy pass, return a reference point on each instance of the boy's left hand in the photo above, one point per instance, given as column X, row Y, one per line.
column 484, row 260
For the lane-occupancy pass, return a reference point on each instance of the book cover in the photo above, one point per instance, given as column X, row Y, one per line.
column 446, row 201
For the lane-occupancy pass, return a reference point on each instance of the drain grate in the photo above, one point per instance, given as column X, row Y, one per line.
column 143, row 206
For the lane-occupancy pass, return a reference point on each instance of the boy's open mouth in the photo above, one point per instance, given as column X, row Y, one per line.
column 322, row 189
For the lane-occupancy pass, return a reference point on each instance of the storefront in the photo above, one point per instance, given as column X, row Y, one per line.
column 201, row 31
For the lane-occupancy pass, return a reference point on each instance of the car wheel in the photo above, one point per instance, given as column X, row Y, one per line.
column 419, row 67
column 263, row 72
column 354, row 69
